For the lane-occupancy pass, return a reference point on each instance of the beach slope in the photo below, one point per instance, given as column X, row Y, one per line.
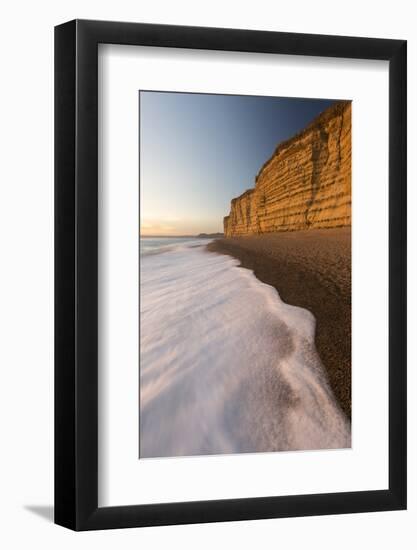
column 310, row 269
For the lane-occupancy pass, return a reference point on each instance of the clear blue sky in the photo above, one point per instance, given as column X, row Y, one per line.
column 198, row 151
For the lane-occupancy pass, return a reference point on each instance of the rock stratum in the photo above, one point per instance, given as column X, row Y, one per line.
column 305, row 184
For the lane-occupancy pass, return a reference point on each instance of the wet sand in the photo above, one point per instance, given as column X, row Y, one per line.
column 309, row 269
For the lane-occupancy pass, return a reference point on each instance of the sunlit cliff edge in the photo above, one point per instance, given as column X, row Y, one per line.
column 305, row 184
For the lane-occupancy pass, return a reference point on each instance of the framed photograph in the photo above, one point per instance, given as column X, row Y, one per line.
column 230, row 284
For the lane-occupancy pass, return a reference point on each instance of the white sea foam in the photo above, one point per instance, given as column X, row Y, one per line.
column 225, row 365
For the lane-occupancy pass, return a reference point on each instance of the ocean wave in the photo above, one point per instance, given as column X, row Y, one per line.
column 225, row 365
column 159, row 248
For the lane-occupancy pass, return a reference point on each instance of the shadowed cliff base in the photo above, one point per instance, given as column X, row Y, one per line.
column 310, row 269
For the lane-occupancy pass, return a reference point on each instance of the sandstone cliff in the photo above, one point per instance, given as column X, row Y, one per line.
column 305, row 184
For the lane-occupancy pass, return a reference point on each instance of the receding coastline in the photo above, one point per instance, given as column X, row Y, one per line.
column 310, row 269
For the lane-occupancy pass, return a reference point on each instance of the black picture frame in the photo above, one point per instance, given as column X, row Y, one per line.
column 76, row 273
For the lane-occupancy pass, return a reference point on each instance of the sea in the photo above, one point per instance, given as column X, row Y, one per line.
column 225, row 365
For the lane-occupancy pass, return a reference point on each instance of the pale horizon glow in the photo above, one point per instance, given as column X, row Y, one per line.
column 198, row 151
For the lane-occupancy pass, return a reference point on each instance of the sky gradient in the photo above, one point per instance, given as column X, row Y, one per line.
column 198, row 151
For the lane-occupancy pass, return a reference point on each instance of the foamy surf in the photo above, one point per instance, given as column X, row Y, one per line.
column 225, row 365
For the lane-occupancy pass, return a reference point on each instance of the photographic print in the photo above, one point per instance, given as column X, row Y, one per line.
column 245, row 274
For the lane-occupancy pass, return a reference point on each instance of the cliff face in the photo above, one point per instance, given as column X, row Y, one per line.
column 305, row 184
